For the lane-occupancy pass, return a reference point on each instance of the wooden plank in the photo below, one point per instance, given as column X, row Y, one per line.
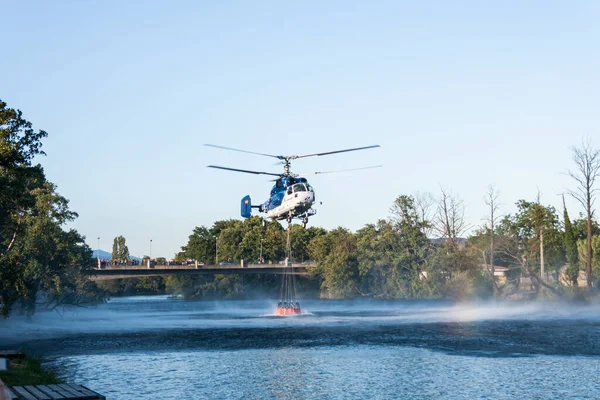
column 63, row 392
column 23, row 393
column 10, row 393
column 73, row 391
column 87, row 392
column 53, row 395
column 36, row 392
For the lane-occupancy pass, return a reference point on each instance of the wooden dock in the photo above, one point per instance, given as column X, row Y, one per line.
column 51, row 392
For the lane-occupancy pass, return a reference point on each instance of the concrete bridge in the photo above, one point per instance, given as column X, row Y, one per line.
column 135, row 271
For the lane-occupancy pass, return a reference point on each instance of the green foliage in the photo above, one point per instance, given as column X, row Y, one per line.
column 570, row 245
column 28, row 372
column 134, row 286
column 200, row 246
column 337, row 264
column 582, row 252
column 520, row 235
column 300, row 239
column 40, row 262
column 388, row 259
column 161, row 260
column 580, row 228
column 229, row 240
column 120, row 251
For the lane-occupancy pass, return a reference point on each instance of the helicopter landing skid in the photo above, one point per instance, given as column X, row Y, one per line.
column 304, row 217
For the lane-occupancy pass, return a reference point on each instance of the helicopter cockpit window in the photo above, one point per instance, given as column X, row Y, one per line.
column 289, row 191
column 310, row 189
column 299, row 187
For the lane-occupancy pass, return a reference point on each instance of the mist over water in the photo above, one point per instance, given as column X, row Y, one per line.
column 341, row 349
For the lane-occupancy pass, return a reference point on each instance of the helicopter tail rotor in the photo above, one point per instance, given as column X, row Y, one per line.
column 246, row 209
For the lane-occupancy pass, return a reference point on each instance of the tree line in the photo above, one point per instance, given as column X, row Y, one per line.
column 421, row 251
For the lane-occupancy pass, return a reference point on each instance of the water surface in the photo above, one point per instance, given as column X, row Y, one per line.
column 153, row 347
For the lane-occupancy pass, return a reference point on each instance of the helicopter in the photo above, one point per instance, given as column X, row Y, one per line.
column 292, row 197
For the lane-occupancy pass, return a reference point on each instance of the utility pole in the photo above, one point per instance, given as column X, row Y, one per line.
column 99, row 262
column 216, row 250
column 261, row 242
column 150, row 259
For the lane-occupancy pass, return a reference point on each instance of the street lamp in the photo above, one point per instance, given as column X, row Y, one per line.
column 98, row 254
column 150, row 249
column 216, row 250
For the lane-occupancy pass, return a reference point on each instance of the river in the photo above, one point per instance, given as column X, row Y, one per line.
column 157, row 348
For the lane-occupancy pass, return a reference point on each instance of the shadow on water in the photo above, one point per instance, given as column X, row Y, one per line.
column 488, row 339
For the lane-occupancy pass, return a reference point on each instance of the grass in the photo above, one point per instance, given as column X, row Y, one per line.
column 27, row 371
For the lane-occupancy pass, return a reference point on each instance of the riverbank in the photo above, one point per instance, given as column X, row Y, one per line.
column 27, row 371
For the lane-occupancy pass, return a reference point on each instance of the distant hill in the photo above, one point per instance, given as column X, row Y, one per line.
column 105, row 255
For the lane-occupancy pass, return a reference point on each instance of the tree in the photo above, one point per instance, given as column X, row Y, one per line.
column 19, row 144
column 540, row 220
column 582, row 250
column 274, row 241
column 337, row 266
column 587, row 169
column 570, row 244
column 423, row 204
column 300, row 239
column 200, row 245
column 229, row 236
column 161, row 260
column 120, row 251
column 39, row 260
column 491, row 200
column 449, row 220
column 520, row 238
column 392, row 255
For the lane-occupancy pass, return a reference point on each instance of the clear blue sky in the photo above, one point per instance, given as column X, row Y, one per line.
column 459, row 95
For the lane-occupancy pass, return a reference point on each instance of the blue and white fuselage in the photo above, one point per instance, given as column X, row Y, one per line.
column 290, row 198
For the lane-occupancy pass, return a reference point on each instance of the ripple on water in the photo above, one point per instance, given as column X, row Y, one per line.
column 333, row 373
column 155, row 348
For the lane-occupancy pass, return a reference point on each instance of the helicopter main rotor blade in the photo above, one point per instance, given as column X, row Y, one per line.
column 346, row 170
column 244, row 170
column 245, row 151
column 333, row 152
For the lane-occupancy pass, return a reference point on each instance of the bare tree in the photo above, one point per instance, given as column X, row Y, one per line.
column 491, row 200
column 587, row 169
column 539, row 216
column 424, row 203
column 449, row 220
